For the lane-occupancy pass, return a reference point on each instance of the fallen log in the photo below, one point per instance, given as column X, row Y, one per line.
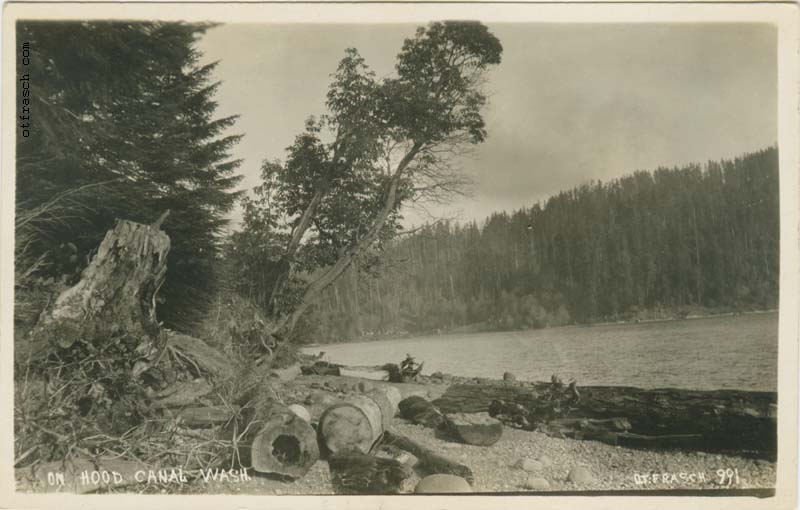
column 270, row 438
column 355, row 472
column 357, row 422
column 428, row 461
column 726, row 420
column 203, row 417
column 420, row 411
column 477, row 429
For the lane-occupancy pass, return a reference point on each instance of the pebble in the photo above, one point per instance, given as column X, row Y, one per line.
column 580, row 475
column 537, row 484
column 442, row 484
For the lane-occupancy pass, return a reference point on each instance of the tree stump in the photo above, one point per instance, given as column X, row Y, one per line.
column 115, row 297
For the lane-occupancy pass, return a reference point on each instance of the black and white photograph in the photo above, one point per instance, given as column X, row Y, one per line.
column 484, row 250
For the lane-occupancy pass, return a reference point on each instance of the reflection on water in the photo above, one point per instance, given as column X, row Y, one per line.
column 714, row 353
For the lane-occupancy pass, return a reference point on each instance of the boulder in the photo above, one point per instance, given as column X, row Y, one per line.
column 478, row 429
column 581, row 476
column 537, row 484
column 441, row 484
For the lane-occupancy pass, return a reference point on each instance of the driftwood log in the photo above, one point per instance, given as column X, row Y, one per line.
column 272, row 439
column 355, row 472
column 420, row 411
column 115, row 297
column 358, row 422
column 477, row 429
column 721, row 420
column 428, row 461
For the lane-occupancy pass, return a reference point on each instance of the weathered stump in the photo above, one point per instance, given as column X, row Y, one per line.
column 115, row 297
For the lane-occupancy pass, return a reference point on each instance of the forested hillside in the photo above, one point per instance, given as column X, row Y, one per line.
column 649, row 245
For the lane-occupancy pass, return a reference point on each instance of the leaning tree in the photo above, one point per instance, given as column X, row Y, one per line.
column 381, row 144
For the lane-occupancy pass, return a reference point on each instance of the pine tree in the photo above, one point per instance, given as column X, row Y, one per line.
column 127, row 107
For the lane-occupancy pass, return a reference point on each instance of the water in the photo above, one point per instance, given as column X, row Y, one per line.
column 711, row 353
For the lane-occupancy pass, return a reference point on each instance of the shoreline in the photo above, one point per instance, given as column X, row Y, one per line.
column 461, row 330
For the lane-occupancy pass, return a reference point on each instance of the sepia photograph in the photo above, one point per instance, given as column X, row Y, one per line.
column 433, row 254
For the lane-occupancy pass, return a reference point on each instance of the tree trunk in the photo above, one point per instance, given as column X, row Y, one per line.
column 115, row 296
column 330, row 275
column 726, row 420
column 357, row 423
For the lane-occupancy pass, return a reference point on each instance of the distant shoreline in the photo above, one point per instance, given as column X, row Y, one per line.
column 475, row 328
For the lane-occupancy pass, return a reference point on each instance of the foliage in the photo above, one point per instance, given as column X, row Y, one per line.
column 649, row 245
column 129, row 105
column 336, row 199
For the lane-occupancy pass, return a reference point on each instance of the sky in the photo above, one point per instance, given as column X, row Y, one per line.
column 570, row 103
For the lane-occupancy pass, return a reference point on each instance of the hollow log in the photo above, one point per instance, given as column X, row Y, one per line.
column 115, row 297
column 725, row 420
column 428, row 461
column 357, row 422
column 272, row 439
column 355, row 472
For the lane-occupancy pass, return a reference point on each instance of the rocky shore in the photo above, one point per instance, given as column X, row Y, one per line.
column 521, row 461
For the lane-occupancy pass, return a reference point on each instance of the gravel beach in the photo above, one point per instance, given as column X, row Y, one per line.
column 498, row 468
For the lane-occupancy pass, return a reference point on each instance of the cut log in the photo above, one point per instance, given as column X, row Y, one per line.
column 477, row 429
column 357, row 422
column 727, row 420
column 354, row 472
column 272, row 439
column 420, row 411
column 115, row 297
column 428, row 461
